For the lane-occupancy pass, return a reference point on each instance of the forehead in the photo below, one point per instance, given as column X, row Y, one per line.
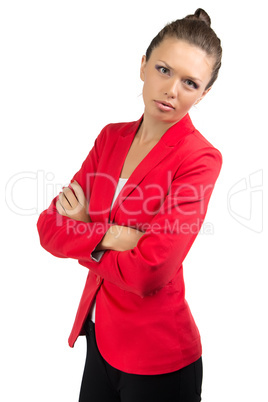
column 181, row 55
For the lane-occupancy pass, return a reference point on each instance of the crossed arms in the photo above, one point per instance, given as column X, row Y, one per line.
column 72, row 203
column 135, row 261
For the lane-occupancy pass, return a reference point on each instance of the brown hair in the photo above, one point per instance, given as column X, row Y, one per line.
column 194, row 29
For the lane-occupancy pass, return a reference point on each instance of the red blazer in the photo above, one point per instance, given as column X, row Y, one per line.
column 143, row 322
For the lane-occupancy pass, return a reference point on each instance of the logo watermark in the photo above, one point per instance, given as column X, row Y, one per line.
column 244, row 198
column 245, row 201
column 149, row 199
column 42, row 186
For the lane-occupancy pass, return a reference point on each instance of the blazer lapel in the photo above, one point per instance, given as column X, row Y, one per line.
column 164, row 146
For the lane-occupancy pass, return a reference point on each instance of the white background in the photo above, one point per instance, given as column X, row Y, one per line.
column 67, row 69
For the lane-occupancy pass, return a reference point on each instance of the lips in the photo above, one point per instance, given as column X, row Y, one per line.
column 165, row 106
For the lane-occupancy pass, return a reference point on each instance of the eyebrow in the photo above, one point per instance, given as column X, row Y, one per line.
column 191, row 78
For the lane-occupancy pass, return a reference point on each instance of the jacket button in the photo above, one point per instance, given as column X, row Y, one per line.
column 98, row 280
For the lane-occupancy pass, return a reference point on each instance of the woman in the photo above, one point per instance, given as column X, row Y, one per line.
column 131, row 214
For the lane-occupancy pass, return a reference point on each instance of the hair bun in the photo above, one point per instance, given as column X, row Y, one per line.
column 200, row 15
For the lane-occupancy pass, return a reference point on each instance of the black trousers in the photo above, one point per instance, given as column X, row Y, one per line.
column 104, row 383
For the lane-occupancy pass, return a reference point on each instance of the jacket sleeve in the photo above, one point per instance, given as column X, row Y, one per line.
column 65, row 237
column 160, row 252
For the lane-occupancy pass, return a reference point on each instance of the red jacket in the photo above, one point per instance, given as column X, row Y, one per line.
column 143, row 322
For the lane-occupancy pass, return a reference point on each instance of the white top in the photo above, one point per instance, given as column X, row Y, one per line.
column 122, row 181
column 98, row 254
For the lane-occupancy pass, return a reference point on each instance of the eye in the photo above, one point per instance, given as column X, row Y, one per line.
column 191, row 84
column 163, row 70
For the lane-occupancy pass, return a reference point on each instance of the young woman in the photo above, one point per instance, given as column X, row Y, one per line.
column 130, row 215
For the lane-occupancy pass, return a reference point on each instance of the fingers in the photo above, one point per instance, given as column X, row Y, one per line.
column 69, row 199
column 69, row 205
column 72, row 203
column 60, row 208
column 79, row 193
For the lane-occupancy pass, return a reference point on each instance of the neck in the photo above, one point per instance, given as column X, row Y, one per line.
column 151, row 130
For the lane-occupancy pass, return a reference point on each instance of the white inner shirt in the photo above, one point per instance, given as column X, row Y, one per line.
column 98, row 254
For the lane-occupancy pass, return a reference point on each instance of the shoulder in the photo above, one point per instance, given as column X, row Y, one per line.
column 200, row 156
column 194, row 143
column 122, row 128
column 201, row 144
column 186, row 139
column 110, row 134
column 196, row 151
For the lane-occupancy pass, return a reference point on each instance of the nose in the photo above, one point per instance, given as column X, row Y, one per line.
column 172, row 89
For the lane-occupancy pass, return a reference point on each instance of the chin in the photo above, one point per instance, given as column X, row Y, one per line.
column 164, row 118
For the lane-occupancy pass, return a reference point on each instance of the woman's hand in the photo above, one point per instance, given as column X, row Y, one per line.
column 120, row 238
column 73, row 203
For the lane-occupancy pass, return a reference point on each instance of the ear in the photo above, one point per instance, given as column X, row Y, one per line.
column 203, row 95
column 142, row 69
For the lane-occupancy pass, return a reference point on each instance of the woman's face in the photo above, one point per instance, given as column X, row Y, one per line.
column 175, row 78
